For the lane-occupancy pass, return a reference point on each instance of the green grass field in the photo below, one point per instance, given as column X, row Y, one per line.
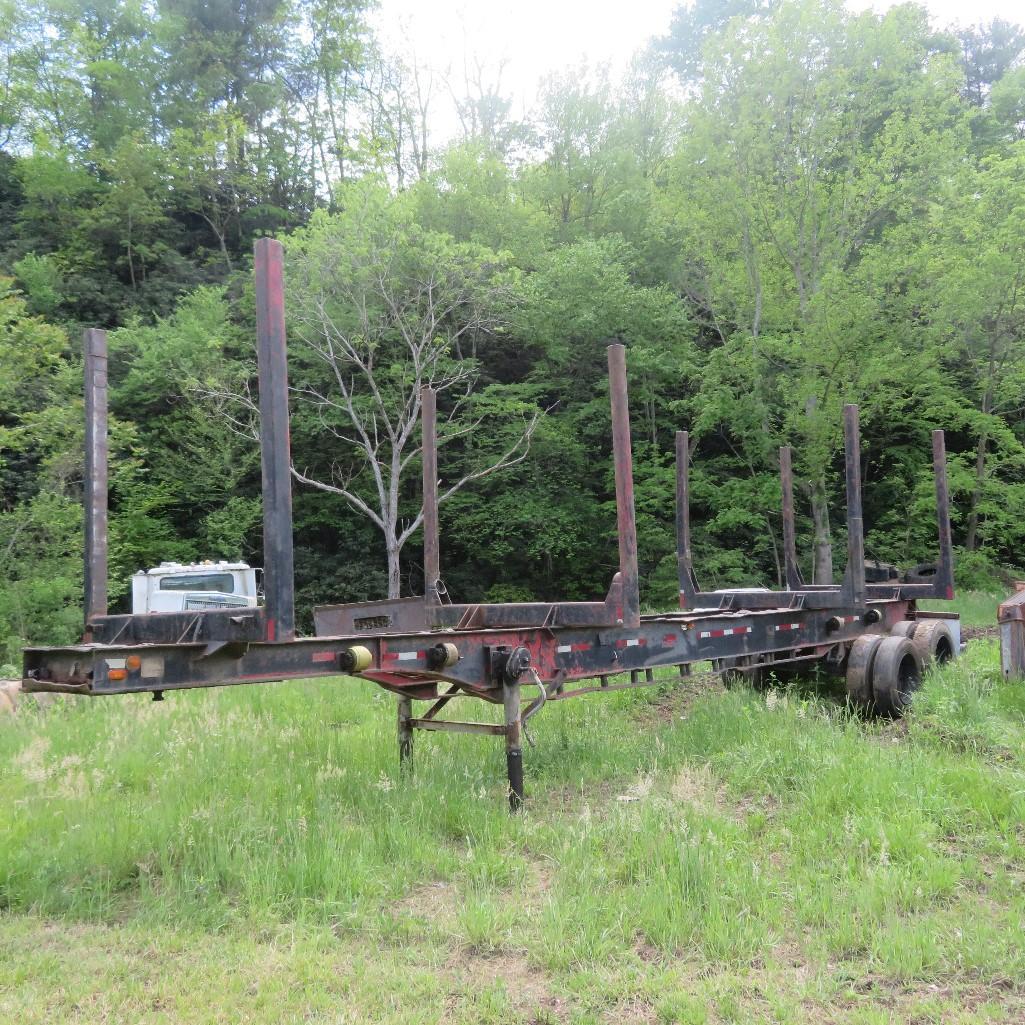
column 686, row 855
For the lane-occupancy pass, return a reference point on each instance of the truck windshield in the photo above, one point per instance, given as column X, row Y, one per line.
column 223, row 582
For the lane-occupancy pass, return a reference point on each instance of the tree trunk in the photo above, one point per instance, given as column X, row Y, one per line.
column 972, row 535
column 131, row 261
column 775, row 552
column 822, row 567
column 394, row 580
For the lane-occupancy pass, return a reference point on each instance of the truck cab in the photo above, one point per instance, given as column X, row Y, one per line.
column 198, row 586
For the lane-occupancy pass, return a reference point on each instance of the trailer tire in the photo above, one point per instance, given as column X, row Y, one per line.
column 923, row 573
column 935, row 643
column 905, row 628
column 896, row 675
column 859, row 669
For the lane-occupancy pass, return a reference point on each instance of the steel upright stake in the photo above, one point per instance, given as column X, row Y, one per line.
column 623, row 461
column 684, row 558
column 945, row 569
column 278, row 571
column 95, row 345
column 786, row 478
column 855, row 524
column 432, row 544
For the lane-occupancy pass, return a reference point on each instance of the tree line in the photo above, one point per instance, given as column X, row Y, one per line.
column 782, row 207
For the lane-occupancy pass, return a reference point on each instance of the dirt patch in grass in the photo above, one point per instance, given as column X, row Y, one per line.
column 569, row 800
column 979, row 633
column 527, row 988
column 435, row 902
column 695, row 784
column 632, row 1012
column 941, row 1000
column 677, row 695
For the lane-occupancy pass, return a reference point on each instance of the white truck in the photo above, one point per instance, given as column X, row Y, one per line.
column 177, row 587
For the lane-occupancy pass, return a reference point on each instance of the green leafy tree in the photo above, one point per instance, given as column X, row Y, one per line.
column 40, row 520
column 975, row 283
column 814, row 131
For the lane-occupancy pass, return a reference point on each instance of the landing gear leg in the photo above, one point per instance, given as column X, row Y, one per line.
column 405, row 734
column 513, row 750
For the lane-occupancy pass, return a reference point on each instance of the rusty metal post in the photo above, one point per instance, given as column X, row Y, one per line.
column 684, row 558
column 1011, row 622
column 432, row 544
column 513, row 748
column 95, row 483
column 786, row 477
column 405, row 733
column 945, row 570
column 275, row 451
column 623, row 461
column 855, row 524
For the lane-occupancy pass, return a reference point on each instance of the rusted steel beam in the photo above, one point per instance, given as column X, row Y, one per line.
column 944, row 582
column 405, row 615
column 457, row 726
column 623, row 460
column 388, row 615
column 96, row 475
column 602, row 688
column 1011, row 621
column 684, row 558
column 408, row 663
column 438, row 705
column 278, row 568
column 432, row 543
column 209, row 626
column 537, row 614
column 855, row 524
column 786, row 478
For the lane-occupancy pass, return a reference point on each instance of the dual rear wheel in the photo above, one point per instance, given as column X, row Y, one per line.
column 884, row 671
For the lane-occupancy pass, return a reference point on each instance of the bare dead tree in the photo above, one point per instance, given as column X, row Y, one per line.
column 480, row 103
column 397, row 100
column 366, row 337
column 433, row 319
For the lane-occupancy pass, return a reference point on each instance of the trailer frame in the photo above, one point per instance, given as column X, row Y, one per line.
column 429, row 649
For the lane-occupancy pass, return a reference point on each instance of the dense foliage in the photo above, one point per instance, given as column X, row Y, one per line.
column 782, row 208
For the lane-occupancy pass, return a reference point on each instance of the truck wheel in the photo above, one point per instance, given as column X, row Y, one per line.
column 935, row 643
column 905, row 628
column 896, row 675
column 859, row 669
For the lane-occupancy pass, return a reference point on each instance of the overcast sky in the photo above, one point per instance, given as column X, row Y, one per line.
column 538, row 37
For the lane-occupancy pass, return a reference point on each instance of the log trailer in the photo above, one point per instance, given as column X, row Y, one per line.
column 430, row 650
